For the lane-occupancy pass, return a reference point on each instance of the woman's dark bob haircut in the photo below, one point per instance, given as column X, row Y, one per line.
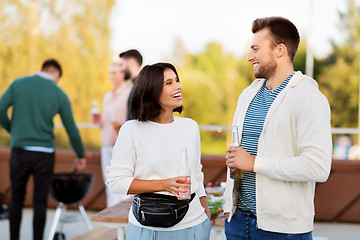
column 144, row 103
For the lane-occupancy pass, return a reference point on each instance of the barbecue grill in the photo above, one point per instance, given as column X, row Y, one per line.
column 67, row 188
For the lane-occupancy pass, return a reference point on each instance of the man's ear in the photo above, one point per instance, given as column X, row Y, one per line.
column 280, row 50
column 131, row 63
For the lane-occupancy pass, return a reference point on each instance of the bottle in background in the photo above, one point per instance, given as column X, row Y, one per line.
column 95, row 113
column 184, row 171
column 235, row 173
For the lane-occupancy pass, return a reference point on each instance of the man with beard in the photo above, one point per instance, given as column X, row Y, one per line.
column 285, row 133
column 131, row 66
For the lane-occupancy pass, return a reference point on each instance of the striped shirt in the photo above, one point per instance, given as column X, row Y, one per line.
column 253, row 126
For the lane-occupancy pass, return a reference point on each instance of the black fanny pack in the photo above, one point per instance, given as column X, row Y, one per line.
column 159, row 210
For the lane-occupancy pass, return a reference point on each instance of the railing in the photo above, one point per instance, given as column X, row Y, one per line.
column 222, row 128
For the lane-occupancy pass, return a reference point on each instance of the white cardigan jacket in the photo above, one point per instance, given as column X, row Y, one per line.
column 294, row 152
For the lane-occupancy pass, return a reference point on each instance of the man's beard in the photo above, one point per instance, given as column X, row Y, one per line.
column 266, row 71
column 127, row 74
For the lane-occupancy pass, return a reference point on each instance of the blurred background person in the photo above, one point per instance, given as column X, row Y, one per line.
column 342, row 147
column 114, row 115
column 132, row 61
column 354, row 152
column 36, row 100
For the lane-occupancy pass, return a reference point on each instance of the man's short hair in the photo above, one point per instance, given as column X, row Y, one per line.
column 282, row 31
column 133, row 53
column 51, row 63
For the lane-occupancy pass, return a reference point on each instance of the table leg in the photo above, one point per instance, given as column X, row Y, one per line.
column 217, row 233
column 121, row 233
column 121, row 228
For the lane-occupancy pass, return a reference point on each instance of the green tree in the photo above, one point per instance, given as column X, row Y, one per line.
column 340, row 75
column 300, row 61
column 212, row 82
column 76, row 32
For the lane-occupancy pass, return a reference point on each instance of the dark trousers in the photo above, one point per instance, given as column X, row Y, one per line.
column 23, row 164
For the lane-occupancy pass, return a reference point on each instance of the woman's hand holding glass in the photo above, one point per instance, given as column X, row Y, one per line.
column 176, row 185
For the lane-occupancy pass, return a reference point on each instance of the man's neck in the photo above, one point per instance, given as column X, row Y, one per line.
column 134, row 74
column 45, row 75
column 279, row 76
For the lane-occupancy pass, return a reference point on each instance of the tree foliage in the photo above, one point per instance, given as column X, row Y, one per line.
column 212, row 82
column 75, row 32
column 340, row 76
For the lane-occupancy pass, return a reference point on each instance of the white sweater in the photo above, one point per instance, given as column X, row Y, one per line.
column 152, row 151
column 294, row 152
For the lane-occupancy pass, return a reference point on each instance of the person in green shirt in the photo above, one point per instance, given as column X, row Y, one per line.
column 35, row 100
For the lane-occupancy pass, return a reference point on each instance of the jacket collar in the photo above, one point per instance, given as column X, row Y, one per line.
column 295, row 80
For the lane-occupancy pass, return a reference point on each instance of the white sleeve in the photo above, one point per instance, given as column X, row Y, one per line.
column 120, row 173
column 198, row 174
column 313, row 141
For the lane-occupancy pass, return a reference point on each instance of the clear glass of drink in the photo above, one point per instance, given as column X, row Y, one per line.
column 184, row 171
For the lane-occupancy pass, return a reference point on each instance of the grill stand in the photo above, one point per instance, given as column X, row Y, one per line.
column 60, row 211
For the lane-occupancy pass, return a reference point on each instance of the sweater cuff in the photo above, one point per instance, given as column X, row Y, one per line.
column 120, row 186
column 261, row 165
column 79, row 149
column 200, row 190
column 80, row 155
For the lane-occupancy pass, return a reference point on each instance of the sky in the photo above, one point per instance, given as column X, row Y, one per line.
column 153, row 26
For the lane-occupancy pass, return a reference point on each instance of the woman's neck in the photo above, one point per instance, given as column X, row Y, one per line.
column 166, row 116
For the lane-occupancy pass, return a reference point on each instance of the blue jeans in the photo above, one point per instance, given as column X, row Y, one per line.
column 198, row 232
column 243, row 226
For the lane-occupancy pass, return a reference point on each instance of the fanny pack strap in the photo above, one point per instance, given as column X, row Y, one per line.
column 192, row 197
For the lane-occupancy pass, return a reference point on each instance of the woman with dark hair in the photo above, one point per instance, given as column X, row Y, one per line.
column 147, row 158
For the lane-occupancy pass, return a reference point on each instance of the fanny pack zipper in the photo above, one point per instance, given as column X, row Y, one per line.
column 143, row 215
